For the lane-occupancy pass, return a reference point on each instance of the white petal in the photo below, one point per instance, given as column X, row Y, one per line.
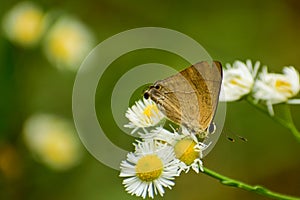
column 293, row 101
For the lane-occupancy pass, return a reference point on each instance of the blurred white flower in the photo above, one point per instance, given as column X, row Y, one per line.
column 24, row 24
column 238, row 80
column 277, row 88
column 68, row 42
column 143, row 114
column 53, row 140
column 150, row 169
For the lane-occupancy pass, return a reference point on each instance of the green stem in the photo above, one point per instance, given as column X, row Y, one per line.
column 252, row 188
column 287, row 124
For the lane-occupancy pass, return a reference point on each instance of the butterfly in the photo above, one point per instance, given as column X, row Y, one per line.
column 190, row 97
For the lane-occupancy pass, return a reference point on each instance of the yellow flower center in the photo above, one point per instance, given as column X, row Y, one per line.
column 150, row 110
column 29, row 26
column 149, row 168
column 184, row 151
column 236, row 81
column 59, row 149
column 283, row 86
column 64, row 43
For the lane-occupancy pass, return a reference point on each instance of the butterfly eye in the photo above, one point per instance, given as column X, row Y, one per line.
column 157, row 87
column 146, row 95
column 212, row 128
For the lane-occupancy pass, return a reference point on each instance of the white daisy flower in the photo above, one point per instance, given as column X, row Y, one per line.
column 150, row 169
column 188, row 150
column 143, row 114
column 53, row 141
column 277, row 88
column 24, row 24
column 238, row 80
column 68, row 42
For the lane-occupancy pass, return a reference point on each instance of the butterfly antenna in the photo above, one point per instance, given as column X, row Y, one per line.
column 242, row 138
column 230, row 139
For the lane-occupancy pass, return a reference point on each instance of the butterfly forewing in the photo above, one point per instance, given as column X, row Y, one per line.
column 190, row 97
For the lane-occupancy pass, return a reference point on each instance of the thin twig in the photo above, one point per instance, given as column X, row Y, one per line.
column 252, row 188
column 287, row 124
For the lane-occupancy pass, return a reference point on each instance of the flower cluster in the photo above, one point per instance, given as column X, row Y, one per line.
column 242, row 79
column 66, row 40
column 160, row 155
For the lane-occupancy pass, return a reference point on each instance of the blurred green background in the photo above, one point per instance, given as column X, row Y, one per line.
column 267, row 31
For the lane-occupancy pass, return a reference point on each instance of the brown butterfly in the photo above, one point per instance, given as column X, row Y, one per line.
column 190, row 97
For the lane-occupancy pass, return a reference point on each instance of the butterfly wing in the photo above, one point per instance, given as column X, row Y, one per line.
column 207, row 85
column 190, row 97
